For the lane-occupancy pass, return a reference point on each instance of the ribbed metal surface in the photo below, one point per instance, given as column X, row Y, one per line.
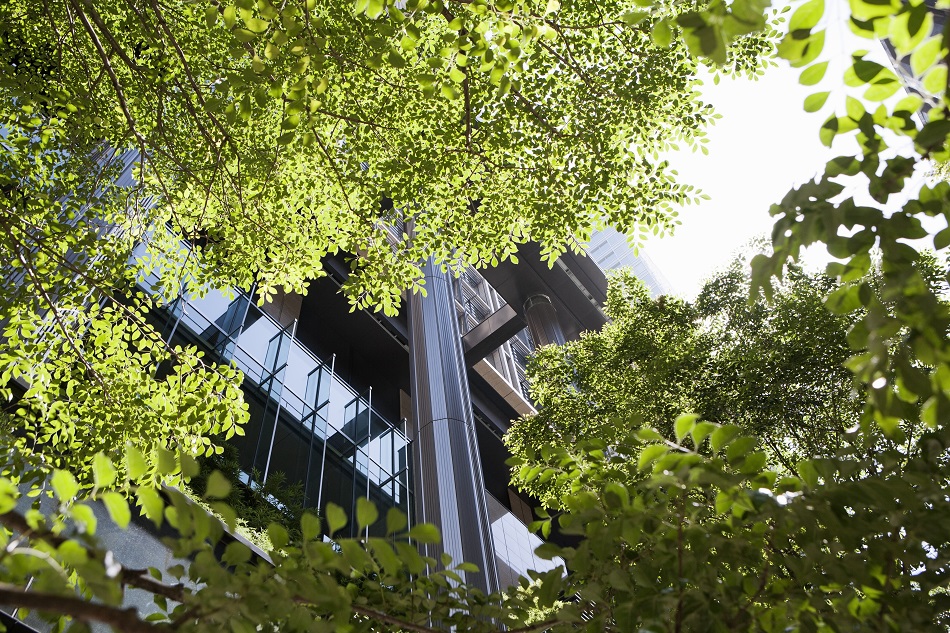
column 542, row 320
column 450, row 490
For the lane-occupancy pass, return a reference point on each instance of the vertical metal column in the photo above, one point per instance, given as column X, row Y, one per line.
column 450, row 490
column 542, row 321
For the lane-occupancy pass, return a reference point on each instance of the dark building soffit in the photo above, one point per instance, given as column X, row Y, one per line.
column 576, row 285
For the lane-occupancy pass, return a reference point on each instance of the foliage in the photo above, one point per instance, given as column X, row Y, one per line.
column 705, row 536
column 269, row 135
column 705, row 539
column 91, row 387
column 276, row 501
column 643, row 361
column 775, row 369
column 276, row 133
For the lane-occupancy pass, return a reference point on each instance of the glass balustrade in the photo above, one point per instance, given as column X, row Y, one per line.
column 326, row 440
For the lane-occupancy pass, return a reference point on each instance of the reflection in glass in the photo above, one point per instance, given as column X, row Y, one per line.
column 305, row 422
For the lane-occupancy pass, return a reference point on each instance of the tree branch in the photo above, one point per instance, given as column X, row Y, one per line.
column 108, row 35
column 116, row 85
column 388, row 619
column 137, row 578
column 119, row 619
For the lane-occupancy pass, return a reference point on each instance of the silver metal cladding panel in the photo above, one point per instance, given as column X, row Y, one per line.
column 450, row 490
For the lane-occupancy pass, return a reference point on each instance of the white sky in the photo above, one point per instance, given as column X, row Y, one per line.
column 764, row 144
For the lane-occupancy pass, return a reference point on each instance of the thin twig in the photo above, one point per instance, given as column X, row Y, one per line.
column 116, row 85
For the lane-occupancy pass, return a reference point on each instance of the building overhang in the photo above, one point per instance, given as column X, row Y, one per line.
column 575, row 284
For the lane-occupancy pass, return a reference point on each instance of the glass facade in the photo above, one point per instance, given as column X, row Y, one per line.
column 514, row 546
column 305, row 422
column 609, row 248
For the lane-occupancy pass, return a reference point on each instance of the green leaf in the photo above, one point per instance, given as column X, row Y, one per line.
column 152, row 505
column 722, row 436
column 925, row 56
column 814, row 102
column 808, row 51
column 935, row 80
column 701, row 431
column 616, row 495
column 244, row 35
column 135, row 462
column 64, row 485
column 933, row 134
column 395, row 521
column 309, row 526
column 548, row 551
column 684, row 424
column 366, row 512
column 753, row 463
column 236, row 553
column 739, row 448
column 8, row 495
column 218, row 486
column 396, row 60
column 808, row 473
column 662, row 33
column 854, row 108
column 85, row 515
column 864, row 10
column 649, row 435
column 118, row 508
column 807, row 16
column 336, row 518
column 230, row 16
column 227, row 514
column 910, row 103
column 426, row 79
column 256, row 25
column 167, row 462
column 844, row 300
column 425, row 533
column 189, row 465
column 942, row 239
column 384, row 554
column 813, row 74
column 633, row 18
column 410, row 557
column 883, row 89
column 650, row 454
column 278, row 536
column 103, row 471
column 375, row 8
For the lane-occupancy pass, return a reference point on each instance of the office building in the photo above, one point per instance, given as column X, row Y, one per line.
column 406, row 410
column 611, row 250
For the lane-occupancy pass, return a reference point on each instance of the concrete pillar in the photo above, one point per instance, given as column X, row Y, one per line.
column 447, row 471
column 542, row 320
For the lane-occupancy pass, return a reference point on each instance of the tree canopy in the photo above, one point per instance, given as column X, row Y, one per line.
column 705, row 536
column 775, row 369
column 277, row 133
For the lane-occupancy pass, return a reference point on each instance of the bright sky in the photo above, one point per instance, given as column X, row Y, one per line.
column 764, row 145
